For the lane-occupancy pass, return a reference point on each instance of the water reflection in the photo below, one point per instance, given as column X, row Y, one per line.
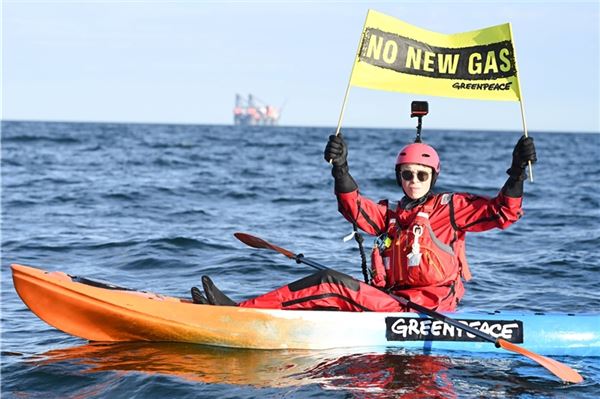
column 388, row 375
column 367, row 374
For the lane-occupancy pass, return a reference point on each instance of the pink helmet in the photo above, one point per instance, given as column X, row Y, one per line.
column 420, row 153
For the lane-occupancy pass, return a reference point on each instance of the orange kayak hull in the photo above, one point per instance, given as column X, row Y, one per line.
column 100, row 312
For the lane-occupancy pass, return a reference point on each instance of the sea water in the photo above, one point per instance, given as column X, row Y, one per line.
column 154, row 207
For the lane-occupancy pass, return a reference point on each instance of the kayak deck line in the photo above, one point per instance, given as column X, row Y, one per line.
column 120, row 314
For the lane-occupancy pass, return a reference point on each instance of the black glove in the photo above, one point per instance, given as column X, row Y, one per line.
column 337, row 151
column 523, row 153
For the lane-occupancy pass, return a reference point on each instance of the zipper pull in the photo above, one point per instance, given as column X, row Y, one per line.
column 414, row 257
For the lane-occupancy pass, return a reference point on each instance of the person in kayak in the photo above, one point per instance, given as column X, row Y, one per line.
column 419, row 252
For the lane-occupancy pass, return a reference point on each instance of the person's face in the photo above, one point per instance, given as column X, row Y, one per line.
column 416, row 179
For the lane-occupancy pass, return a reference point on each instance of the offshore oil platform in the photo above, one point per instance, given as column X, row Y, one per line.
column 253, row 111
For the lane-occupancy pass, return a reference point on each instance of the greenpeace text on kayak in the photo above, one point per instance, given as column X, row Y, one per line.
column 418, row 329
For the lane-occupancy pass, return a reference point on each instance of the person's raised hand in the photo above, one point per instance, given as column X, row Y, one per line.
column 523, row 153
column 336, row 150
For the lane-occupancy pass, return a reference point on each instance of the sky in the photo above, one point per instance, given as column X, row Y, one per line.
column 184, row 61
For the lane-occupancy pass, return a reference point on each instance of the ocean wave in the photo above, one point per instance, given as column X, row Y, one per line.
column 32, row 139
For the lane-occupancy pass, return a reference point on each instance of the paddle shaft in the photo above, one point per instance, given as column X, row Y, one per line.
column 562, row 371
column 421, row 309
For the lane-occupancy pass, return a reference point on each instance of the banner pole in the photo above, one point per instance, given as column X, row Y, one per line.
column 521, row 98
column 339, row 124
column 525, row 132
column 341, row 117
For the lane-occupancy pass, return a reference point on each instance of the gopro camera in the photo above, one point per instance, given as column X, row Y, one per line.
column 419, row 108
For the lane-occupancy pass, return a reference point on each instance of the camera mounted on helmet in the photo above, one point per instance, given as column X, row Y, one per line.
column 419, row 109
column 419, row 152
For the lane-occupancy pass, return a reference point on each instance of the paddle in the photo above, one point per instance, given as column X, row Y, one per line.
column 560, row 370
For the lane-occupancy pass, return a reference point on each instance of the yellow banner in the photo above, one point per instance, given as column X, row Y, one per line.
column 396, row 56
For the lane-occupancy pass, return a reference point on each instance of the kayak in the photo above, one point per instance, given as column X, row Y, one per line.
column 99, row 311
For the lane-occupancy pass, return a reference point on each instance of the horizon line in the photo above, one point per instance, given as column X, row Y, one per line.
column 2, row 120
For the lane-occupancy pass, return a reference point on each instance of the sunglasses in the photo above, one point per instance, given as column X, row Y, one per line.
column 408, row 175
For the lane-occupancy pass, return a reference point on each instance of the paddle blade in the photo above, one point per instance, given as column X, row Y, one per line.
column 256, row 242
column 560, row 370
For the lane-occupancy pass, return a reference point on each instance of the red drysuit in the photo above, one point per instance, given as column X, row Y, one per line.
column 419, row 254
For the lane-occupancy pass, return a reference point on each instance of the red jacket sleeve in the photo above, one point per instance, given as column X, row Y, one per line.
column 478, row 213
column 368, row 215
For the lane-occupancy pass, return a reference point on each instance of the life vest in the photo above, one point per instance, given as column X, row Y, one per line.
column 409, row 255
